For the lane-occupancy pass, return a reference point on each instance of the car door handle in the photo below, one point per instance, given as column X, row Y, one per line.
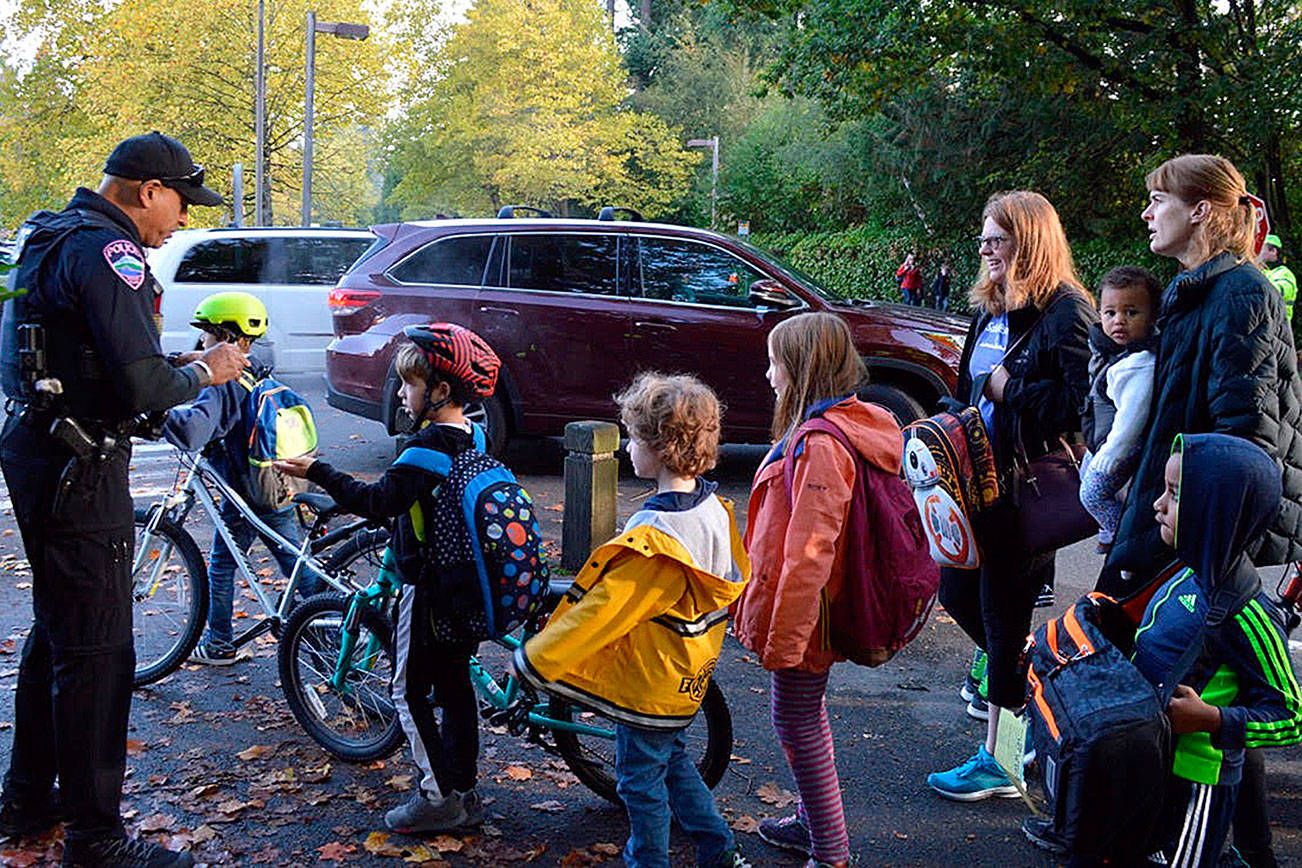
column 506, row 310
column 662, row 326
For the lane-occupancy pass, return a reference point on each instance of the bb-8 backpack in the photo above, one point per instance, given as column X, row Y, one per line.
column 950, row 465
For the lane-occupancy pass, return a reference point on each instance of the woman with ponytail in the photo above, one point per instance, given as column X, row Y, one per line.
column 1225, row 360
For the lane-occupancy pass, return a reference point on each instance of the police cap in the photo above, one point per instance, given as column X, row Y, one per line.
column 155, row 156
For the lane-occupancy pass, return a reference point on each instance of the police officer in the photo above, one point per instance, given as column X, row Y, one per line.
column 81, row 363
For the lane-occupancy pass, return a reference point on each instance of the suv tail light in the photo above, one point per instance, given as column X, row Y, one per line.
column 345, row 301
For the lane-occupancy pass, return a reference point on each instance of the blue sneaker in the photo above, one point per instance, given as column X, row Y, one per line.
column 978, row 778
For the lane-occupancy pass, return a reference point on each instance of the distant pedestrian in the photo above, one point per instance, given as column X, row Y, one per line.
column 797, row 550
column 939, row 291
column 909, row 277
column 1122, row 356
column 1278, row 273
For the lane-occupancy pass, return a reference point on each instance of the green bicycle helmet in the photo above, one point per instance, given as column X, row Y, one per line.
column 237, row 312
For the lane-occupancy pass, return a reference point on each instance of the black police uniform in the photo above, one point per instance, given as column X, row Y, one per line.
column 89, row 287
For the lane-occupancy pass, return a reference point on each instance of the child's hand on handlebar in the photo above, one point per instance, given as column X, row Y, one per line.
column 295, row 467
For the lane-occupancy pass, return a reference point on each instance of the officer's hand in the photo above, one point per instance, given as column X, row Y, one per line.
column 295, row 467
column 226, row 361
column 1188, row 712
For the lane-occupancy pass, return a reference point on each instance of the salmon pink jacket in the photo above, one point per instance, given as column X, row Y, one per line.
column 797, row 552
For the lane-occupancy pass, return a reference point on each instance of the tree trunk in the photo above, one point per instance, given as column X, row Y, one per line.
column 1191, row 127
column 646, row 15
column 1275, row 190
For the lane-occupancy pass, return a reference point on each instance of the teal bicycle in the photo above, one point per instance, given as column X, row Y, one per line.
column 336, row 665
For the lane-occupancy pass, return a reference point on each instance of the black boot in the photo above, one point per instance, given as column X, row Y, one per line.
column 122, row 852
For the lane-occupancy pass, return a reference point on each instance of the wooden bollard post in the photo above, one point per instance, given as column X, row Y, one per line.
column 591, row 479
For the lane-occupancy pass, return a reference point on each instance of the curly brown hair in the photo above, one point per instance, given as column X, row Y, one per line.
column 676, row 416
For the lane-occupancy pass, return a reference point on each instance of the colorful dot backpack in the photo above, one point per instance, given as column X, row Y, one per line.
column 482, row 517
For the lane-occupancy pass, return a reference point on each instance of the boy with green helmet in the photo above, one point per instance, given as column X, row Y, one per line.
column 214, row 423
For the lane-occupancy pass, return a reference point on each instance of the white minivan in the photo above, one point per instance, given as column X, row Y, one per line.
column 291, row 269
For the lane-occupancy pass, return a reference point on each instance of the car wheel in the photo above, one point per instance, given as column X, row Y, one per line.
column 905, row 407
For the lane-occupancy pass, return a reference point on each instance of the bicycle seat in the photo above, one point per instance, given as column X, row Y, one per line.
column 323, row 505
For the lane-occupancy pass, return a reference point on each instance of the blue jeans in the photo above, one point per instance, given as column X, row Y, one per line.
column 655, row 775
column 221, row 565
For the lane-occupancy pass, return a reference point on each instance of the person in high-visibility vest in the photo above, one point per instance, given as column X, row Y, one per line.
column 1278, row 273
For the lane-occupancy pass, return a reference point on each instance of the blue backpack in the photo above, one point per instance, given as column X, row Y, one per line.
column 278, row 423
column 479, row 529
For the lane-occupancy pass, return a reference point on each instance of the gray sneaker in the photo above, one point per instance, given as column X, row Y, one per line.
column 420, row 814
column 473, row 805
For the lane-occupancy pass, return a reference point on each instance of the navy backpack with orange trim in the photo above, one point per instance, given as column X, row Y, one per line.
column 1100, row 731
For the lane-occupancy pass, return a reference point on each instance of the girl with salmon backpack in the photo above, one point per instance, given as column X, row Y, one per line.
column 796, row 546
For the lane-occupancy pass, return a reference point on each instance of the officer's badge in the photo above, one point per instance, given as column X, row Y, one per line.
column 125, row 260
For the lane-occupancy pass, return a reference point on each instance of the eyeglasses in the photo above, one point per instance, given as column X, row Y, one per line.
column 195, row 177
column 995, row 241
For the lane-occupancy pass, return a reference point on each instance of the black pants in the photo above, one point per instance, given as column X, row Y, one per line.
column 1252, row 836
column 74, row 679
column 428, row 675
column 993, row 605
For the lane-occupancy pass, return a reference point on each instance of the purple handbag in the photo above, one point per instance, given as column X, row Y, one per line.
column 1049, row 512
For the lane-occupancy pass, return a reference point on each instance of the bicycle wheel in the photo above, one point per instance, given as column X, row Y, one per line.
column 169, row 598
column 592, row 758
column 356, row 561
column 359, row 723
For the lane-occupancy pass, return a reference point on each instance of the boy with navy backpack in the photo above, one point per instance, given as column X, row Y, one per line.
column 441, row 611
column 219, row 422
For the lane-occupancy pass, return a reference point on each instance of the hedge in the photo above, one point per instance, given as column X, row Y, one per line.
column 860, row 262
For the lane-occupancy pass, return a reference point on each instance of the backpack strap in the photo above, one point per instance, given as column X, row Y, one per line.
column 431, row 461
column 796, row 447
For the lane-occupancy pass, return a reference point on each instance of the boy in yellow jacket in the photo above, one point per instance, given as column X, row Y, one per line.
column 638, row 633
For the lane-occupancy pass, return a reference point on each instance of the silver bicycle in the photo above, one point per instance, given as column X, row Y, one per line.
column 169, row 578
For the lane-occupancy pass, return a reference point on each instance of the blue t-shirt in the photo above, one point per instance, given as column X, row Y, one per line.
column 986, row 356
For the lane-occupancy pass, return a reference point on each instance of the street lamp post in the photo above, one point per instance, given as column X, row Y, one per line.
column 713, row 144
column 259, row 121
column 343, row 30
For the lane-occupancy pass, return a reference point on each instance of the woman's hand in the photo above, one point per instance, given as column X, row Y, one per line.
column 295, row 467
column 1188, row 712
column 995, row 385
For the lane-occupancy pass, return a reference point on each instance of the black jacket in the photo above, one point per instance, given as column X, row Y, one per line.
column 1048, row 374
column 394, row 493
column 89, row 285
column 1225, row 364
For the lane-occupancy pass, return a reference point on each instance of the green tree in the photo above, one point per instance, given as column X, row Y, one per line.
column 102, row 74
column 525, row 103
column 1146, row 79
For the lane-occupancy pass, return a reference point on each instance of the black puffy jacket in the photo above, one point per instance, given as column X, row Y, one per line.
column 1225, row 364
column 1048, row 375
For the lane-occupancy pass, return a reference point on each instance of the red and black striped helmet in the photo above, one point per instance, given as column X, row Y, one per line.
column 460, row 353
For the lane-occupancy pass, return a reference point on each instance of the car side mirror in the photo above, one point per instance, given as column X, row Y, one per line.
column 767, row 292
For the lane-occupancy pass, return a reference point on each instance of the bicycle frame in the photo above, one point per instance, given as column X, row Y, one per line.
column 503, row 696
column 199, row 477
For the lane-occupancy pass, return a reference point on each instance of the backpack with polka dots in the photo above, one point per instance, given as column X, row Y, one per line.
column 480, row 515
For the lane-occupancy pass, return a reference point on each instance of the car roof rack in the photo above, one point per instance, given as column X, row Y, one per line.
column 608, row 212
column 508, row 211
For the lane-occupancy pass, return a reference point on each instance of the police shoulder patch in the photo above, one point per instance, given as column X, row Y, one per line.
column 126, row 261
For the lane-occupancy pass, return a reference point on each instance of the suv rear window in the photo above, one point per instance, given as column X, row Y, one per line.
column 457, row 261
column 321, row 260
column 226, row 260
column 563, row 263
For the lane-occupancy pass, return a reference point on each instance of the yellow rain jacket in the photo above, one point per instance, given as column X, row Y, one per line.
column 638, row 634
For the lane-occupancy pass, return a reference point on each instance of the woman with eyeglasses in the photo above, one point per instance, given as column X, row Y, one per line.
column 1025, row 366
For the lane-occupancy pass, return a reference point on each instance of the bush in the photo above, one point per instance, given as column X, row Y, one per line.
column 860, row 262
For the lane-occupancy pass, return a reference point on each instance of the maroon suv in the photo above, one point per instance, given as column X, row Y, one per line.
column 576, row 307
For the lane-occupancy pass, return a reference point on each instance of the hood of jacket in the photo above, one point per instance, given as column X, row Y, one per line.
column 870, row 428
column 1230, row 491
column 701, row 538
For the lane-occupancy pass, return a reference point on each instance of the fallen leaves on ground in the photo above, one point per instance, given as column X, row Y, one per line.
column 336, row 851
column 550, row 806
column 257, row 751
column 745, row 823
column 770, row 793
column 401, row 783
column 518, row 773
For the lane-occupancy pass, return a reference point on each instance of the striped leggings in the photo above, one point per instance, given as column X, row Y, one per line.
column 800, row 721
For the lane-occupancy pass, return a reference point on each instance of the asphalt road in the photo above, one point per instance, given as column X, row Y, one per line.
column 217, row 763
